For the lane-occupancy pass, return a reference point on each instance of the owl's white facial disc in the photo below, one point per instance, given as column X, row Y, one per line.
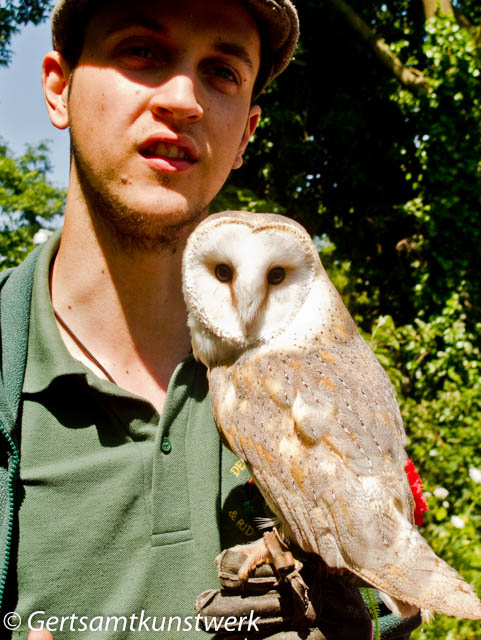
column 246, row 276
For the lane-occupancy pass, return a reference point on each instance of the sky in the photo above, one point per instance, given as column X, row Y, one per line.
column 23, row 116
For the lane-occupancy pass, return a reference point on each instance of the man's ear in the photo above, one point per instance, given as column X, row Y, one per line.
column 252, row 120
column 55, row 80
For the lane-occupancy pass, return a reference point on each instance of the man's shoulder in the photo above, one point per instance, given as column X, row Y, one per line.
column 5, row 274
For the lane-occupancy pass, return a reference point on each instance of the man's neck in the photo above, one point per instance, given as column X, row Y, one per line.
column 125, row 307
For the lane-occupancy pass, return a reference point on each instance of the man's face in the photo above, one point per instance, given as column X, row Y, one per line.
column 159, row 107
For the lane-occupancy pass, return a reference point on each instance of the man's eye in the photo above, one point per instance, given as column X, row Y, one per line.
column 219, row 72
column 139, row 51
column 225, row 73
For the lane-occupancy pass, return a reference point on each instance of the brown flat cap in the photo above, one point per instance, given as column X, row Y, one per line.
column 277, row 20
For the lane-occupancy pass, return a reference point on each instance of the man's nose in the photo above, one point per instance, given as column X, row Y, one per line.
column 176, row 97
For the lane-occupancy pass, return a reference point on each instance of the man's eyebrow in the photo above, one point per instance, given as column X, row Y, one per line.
column 236, row 50
column 135, row 20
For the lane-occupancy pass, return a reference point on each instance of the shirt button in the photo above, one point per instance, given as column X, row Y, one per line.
column 166, row 445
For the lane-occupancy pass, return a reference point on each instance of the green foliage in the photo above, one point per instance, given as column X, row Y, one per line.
column 233, row 198
column 369, row 597
column 446, row 181
column 28, row 202
column 14, row 14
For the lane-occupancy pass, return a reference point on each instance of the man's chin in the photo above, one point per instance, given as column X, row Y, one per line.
column 148, row 219
column 134, row 230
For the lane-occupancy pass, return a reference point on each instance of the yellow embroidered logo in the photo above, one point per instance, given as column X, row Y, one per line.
column 246, row 528
column 238, row 467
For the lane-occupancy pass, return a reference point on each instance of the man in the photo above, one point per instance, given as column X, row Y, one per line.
column 124, row 495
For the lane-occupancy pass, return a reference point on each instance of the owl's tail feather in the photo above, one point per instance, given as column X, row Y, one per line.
column 412, row 574
column 398, row 607
column 404, row 609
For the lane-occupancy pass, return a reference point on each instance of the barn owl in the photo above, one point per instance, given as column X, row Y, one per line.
column 299, row 396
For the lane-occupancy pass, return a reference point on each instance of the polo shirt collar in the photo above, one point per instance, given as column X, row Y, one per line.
column 47, row 356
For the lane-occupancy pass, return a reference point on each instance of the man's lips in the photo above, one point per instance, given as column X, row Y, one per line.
column 164, row 154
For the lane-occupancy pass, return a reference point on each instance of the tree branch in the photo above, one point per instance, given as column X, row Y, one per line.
column 432, row 7
column 411, row 78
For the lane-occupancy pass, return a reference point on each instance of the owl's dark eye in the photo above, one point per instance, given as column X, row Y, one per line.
column 276, row 275
column 224, row 273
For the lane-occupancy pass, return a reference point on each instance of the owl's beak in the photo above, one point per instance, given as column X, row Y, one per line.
column 249, row 299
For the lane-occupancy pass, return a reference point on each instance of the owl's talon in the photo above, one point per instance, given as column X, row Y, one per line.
column 281, row 557
column 269, row 549
column 256, row 554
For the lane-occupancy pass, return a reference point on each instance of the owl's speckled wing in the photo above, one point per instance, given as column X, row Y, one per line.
column 322, row 435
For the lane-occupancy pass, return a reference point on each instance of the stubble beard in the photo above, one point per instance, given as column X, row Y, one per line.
column 132, row 230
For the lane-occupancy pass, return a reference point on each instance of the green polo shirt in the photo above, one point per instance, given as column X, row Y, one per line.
column 122, row 511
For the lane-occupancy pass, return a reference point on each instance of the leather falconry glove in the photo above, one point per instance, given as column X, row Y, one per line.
column 285, row 602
